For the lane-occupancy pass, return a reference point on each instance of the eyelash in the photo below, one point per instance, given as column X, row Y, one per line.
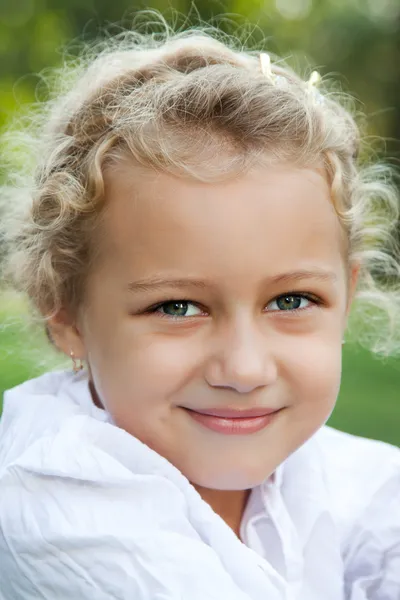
column 304, row 295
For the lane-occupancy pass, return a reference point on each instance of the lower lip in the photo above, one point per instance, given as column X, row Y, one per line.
column 238, row 426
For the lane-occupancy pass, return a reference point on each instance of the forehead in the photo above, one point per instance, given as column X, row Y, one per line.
column 274, row 219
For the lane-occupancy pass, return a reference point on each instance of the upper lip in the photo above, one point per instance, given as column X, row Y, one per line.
column 234, row 413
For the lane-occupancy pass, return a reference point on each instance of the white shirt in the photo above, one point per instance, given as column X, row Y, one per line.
column 88, row 512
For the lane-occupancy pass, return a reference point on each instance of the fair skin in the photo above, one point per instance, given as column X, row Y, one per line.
column 231, row 253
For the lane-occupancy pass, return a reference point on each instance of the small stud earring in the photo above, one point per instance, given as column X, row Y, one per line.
column 77, row 363
column 343, row 342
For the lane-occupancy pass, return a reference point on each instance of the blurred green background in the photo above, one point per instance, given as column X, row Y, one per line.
column 355, row 41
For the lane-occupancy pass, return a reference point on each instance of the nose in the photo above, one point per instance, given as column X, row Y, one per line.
column 241, row 360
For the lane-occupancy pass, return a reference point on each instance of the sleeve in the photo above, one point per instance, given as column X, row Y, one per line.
column 372, row 552
column 65, row 538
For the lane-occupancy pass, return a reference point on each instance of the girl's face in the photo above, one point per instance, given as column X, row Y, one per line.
column 228, row 295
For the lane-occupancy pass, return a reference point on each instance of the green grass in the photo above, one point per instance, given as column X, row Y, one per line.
column 24, row 349
column 368, row 404
column 369, row 400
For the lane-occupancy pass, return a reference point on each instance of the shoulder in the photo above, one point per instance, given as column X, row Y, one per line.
column 39, row 407
column 356, row 470
column 356, row 456
column 363, row 482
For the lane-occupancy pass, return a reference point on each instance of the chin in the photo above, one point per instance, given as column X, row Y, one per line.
column 231, row 479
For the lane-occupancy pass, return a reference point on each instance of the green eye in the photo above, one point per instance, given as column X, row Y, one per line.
column 178, row 308
column 289, row 302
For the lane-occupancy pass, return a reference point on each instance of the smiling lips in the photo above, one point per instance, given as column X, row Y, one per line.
column 234, row 422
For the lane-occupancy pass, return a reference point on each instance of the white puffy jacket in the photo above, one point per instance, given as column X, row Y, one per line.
column 88, row 512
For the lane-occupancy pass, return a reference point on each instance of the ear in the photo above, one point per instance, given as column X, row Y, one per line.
column 354, row 272
column 66, row 335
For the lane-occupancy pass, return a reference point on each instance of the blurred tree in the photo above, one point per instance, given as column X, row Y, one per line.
column 359, row 39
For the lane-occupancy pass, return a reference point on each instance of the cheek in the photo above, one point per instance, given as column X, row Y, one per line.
column 134, row 368
column 316, row 375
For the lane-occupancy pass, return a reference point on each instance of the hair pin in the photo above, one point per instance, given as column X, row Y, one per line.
column 273, row 78
column 312, row 84
column 265, row 64
column 314, row 79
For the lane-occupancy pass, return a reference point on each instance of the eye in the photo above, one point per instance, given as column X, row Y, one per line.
column 178, row 308
column 290, row 302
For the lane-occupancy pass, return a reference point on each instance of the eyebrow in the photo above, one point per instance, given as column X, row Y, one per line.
column 157, row 283
column 152, row 284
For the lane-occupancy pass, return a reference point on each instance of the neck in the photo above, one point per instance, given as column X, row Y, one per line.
column 229, row 505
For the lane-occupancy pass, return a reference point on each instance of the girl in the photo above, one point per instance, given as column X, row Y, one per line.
column 196, row 230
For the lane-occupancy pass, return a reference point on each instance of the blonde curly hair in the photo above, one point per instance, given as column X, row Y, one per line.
column 173, row 103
